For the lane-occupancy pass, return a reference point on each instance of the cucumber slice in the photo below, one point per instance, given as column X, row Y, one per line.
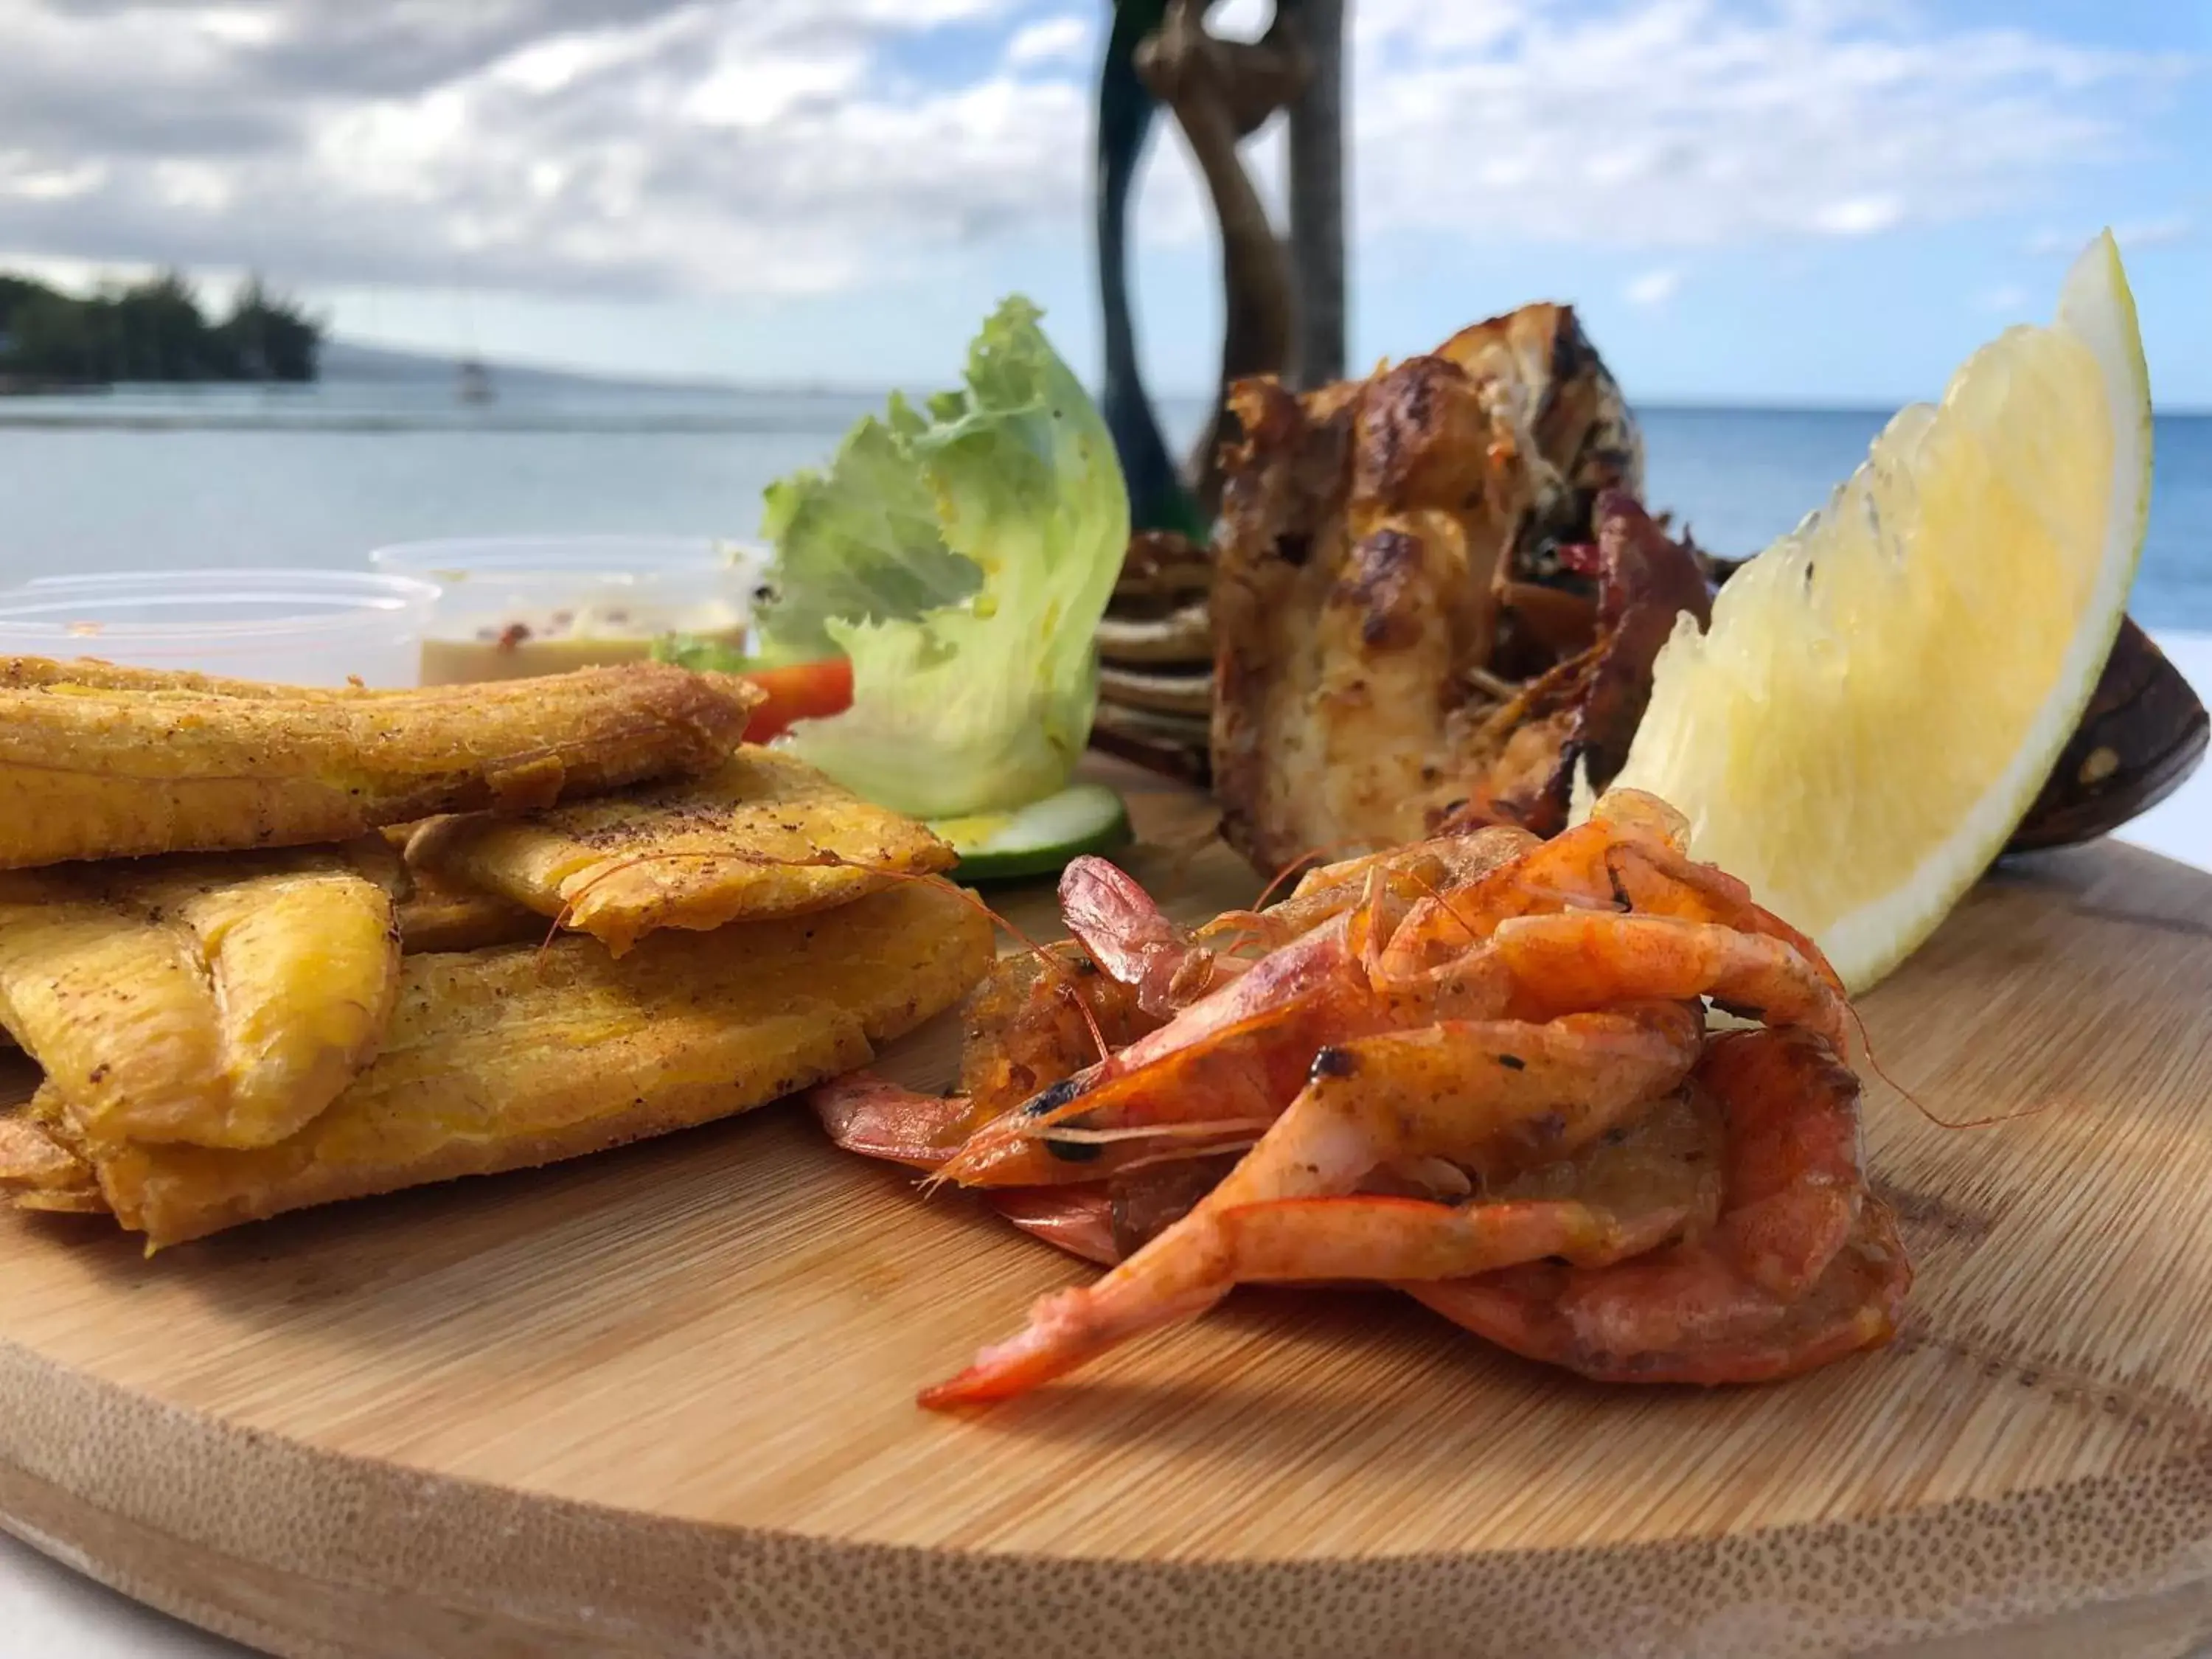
column 1040, row 838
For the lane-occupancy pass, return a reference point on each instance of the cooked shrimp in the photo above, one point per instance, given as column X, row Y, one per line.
column 1463, row 857
column 1119, row 923
column 1239, row 1052
column 1038, row 1017
column 1245, row 1045
column 1655, row 881
column 1079, row 1219
column 1472, row 1091
column 878, row 1118
column 1686, row 1320
column 1590, row 961
column 1795, row 1185
column 1474, row 1068
column 1639, row 1186
column 1104, row 1221
column 1415, row 872
column 1803, row 1264
column 1566, row 873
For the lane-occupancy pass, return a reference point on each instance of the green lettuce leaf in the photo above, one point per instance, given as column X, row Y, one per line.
column 702, row 656
column 962, row 558
column 859, row 545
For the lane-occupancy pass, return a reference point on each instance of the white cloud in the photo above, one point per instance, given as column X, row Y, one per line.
column 1859, row 215
column 627, row 146
column 743, row 91
column 21, row 177
column 559, row 61
column 1654, row 288
column 239, row 25
column 194, row 186
column 769, row 147
column 1051, row 40
column 1683, row 123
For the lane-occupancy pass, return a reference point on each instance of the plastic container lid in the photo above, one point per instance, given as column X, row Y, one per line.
column 451, row 563
column 287, row 627
column 514, row 605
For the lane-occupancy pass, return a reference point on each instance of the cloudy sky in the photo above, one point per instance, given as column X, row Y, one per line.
column 1801, row 199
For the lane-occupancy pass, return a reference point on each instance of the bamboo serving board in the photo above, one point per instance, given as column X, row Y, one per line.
column 660, row 1401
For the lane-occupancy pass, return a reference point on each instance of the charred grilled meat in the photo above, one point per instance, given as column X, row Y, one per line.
column 1411, row 622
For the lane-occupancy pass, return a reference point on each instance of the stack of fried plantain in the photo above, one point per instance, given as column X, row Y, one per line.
column 275, row 947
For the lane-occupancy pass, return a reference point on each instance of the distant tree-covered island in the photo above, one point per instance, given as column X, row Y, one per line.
column 154, row 330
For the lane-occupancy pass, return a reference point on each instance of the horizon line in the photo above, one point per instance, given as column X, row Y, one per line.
column 633, row 380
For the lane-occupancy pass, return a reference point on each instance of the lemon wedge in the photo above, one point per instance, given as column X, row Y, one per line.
column 1884, row 690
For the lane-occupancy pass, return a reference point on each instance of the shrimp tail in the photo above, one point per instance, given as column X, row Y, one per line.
column 1064, row 1330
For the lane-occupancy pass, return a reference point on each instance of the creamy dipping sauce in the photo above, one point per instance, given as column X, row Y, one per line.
column 522, row 644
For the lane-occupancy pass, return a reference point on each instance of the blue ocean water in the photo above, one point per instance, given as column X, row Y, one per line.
column 147, row 478
column 1737, row 478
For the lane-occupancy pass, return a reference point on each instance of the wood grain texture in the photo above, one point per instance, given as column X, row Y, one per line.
column 660, row 1401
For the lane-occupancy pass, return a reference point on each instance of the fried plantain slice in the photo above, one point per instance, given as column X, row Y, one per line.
column 509, row 1058
column 43, row 1165
column 102, row 762
column 220, row 1000
column 764, row 835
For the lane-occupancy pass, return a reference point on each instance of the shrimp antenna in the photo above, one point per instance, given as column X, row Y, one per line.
column 1436, row 893
column 1315, row 858
column 1875, row 1065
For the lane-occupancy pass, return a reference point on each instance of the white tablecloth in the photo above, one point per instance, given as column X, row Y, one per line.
column 49, row 1611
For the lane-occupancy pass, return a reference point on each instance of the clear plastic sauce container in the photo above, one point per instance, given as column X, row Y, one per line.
column 516, row 606
column 322, row 628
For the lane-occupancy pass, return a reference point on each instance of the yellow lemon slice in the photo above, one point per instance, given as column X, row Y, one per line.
column 1884, row 690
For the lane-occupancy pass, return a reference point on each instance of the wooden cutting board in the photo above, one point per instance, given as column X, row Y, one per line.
column 660, row 1401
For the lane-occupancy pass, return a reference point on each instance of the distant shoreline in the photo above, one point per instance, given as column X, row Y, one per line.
column 47, row 386
column 348, row 367
column 344, row 360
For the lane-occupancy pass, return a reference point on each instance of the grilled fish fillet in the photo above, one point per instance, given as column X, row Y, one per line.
column 101, row 762
column 765, row 835
column 505, row 1059
column 220, row 1000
